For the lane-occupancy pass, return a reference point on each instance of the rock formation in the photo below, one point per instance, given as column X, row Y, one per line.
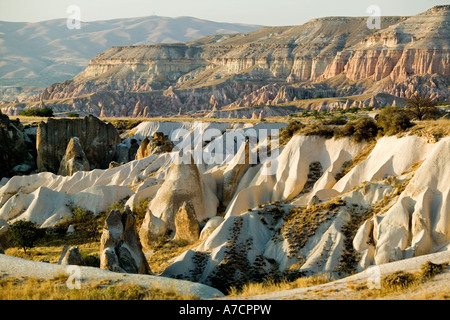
column 4, row 235
column 394, row 213
column 97, row 138
column 74, row 160
column 71, row 256
column 151, row 229
column 183, row 183
column 14, row 155
column 234, row 172
column 306, row 211
column 186, row 223
column 120, row 247
column 160, row 143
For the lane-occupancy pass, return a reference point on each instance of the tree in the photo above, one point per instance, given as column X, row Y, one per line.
column 421, row 106
column 25, row 234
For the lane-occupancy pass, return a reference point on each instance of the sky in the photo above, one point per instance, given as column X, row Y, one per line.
column 261, row 12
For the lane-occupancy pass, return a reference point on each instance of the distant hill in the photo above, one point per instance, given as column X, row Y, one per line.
column 42, row 53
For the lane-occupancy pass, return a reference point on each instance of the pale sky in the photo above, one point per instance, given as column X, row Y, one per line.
column 263, row 12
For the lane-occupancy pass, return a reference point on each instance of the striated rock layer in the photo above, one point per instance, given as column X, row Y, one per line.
column 334, row 56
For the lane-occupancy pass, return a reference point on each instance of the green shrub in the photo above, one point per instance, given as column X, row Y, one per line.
column 334, row 120
column 364, row 128
column 318, row 130
column 393, row 120
column 73, row 115
column 92, row 260
column 140, row 210
column 305, row 114
column 81, row 215
column 317, row 115
column 287, row 133
column 44, row 112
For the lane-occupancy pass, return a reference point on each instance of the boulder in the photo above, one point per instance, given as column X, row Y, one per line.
column 70, row 229
column 313, row 201
column 120, row 247
column 74, row 160
column 186, row 223
column 98, row 139
column 210, row 226
column 71, row 256
column 109, row 260
column 151, row 229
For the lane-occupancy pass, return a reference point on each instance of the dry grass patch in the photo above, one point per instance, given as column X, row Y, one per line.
column 360, row 157
column 56, row 289
column 405, row 284
column 51, row 253
column 268, row 286
column 165, row 250
column 432, row 130
column 302, row 222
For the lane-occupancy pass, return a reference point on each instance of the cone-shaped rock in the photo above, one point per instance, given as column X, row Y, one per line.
column 151, row 229
column 186, row 223
column 234, row 172
column 120, row 246
column 183, row 183
column 74, row 160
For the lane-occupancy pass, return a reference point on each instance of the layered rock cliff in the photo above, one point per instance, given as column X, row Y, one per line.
column 334, row 56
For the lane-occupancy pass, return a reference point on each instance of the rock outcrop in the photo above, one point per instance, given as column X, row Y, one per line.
column 4, row 235
column 418, row 223
column 186, row 223
column 97, row 138
column 120, row 247
column 74, row 160
column 151, row 230
column 183, row 183
column 234, row 172
column 160, row 143
column 14, row 155
column 71, row 256
column 397, row 208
